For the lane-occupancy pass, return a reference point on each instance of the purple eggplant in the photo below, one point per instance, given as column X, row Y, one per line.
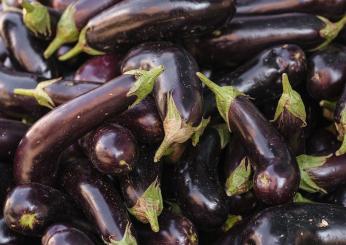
column 141, row 189
column 322, row 142
column 232, row 236
column 243, row 204
column 276, row 177
column 131, row 22
column 3, row 51
column 243, row 37
column 31, row 208
column 99, row 200
column 111, row 148
column 178, row 93
column 11, row 132
column 36, row 159
column 327, row 73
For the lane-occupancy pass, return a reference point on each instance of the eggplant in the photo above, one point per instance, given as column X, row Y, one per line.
column 198, row 189
column 276, row 176
column 178, row 93
column 243, row 204
column 131, row 22
column 243, row 37
column 65, row 234
column 11, row 132
column 111, row 148
column 174, row 230
column 338, row 196
column 296, row 224
column 99, row 200
column 232, row 236
column 322, row 142
column 3, row 51
column 23, row 48
column 36, row 158
column 29, row 209
column 327, row 73
column 73, row 20
column 332, row 9
column 99, row 69
column 141, row 189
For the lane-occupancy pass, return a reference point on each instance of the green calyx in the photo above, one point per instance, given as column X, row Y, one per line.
column 341, row 127
column 291, row 102
column 230, row 222
column 149, row 206
column 145, row 82
column 330, row 31
column 305, row 163
column 199, row 130
column 39, row 93
column 239, row 181
column 36, row 17
column 67, row 32
column 28, row 221
column 298, row 198
column 224, row 134
column 81, row 46
column 224, row 95
column 128, row 238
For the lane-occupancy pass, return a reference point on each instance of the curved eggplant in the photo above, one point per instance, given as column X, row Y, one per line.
column 36, row 158
column 178, row 93
column 23, row 48
column 243, row 37
column 198, row 189
column 276, row 177
column 111, row 148
column 131, row 22
column 99, row 200
column 11, row 132
column 327, row 73
column 141, row 189
column 31, row 208
column 322, row 142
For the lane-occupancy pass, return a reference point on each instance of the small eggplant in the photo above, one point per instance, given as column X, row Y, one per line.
column 31, row 208
column 178, row 93
column 243, row 37
column 141, row 189
column 327, row 73
column 174, row 230
column 99, row 200
column 23, row 48
column 276, row 177
column 111, row 148
column 322, row 142
column 132, row 22
column 36, row 158
column 64, row 234
column 11, row 132
column 198, row 189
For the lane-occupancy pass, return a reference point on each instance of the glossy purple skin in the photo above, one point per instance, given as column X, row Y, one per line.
column 276, row 177
column 327, row 73
column 144, row 121
column 99, row 69
column 332, row 8
column 112, row 149
column 47, row 204
column 179, row 77
column 243, row 37
column 36, row 158
column 63, row 234
column 98, row 198
column 322, row 142
column 174, row 229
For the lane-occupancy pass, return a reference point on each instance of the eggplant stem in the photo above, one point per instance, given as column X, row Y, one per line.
column 36, row 17
column 53, row 46
column 342, row 149
column 27, row 6
column 128, row 238
column 71, row 53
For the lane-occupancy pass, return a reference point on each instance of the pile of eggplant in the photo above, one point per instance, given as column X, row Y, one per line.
column 173, row 122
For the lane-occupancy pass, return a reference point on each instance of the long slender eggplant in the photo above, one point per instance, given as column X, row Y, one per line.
column 332, row 8
column 9, row 237
column 174, row 230
column 327, row 73
column 131, row 22
column 322, row 142
column 276, row 177
column 23, row 48
column 99, row 200
column 65, row 234
column 31, row 208
column 74, row 18
column 198, row 189
column 141, row 189
column 243, row 37
column 36, row 159
column 11, row 132
column 111, row 148
column 178, row 93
